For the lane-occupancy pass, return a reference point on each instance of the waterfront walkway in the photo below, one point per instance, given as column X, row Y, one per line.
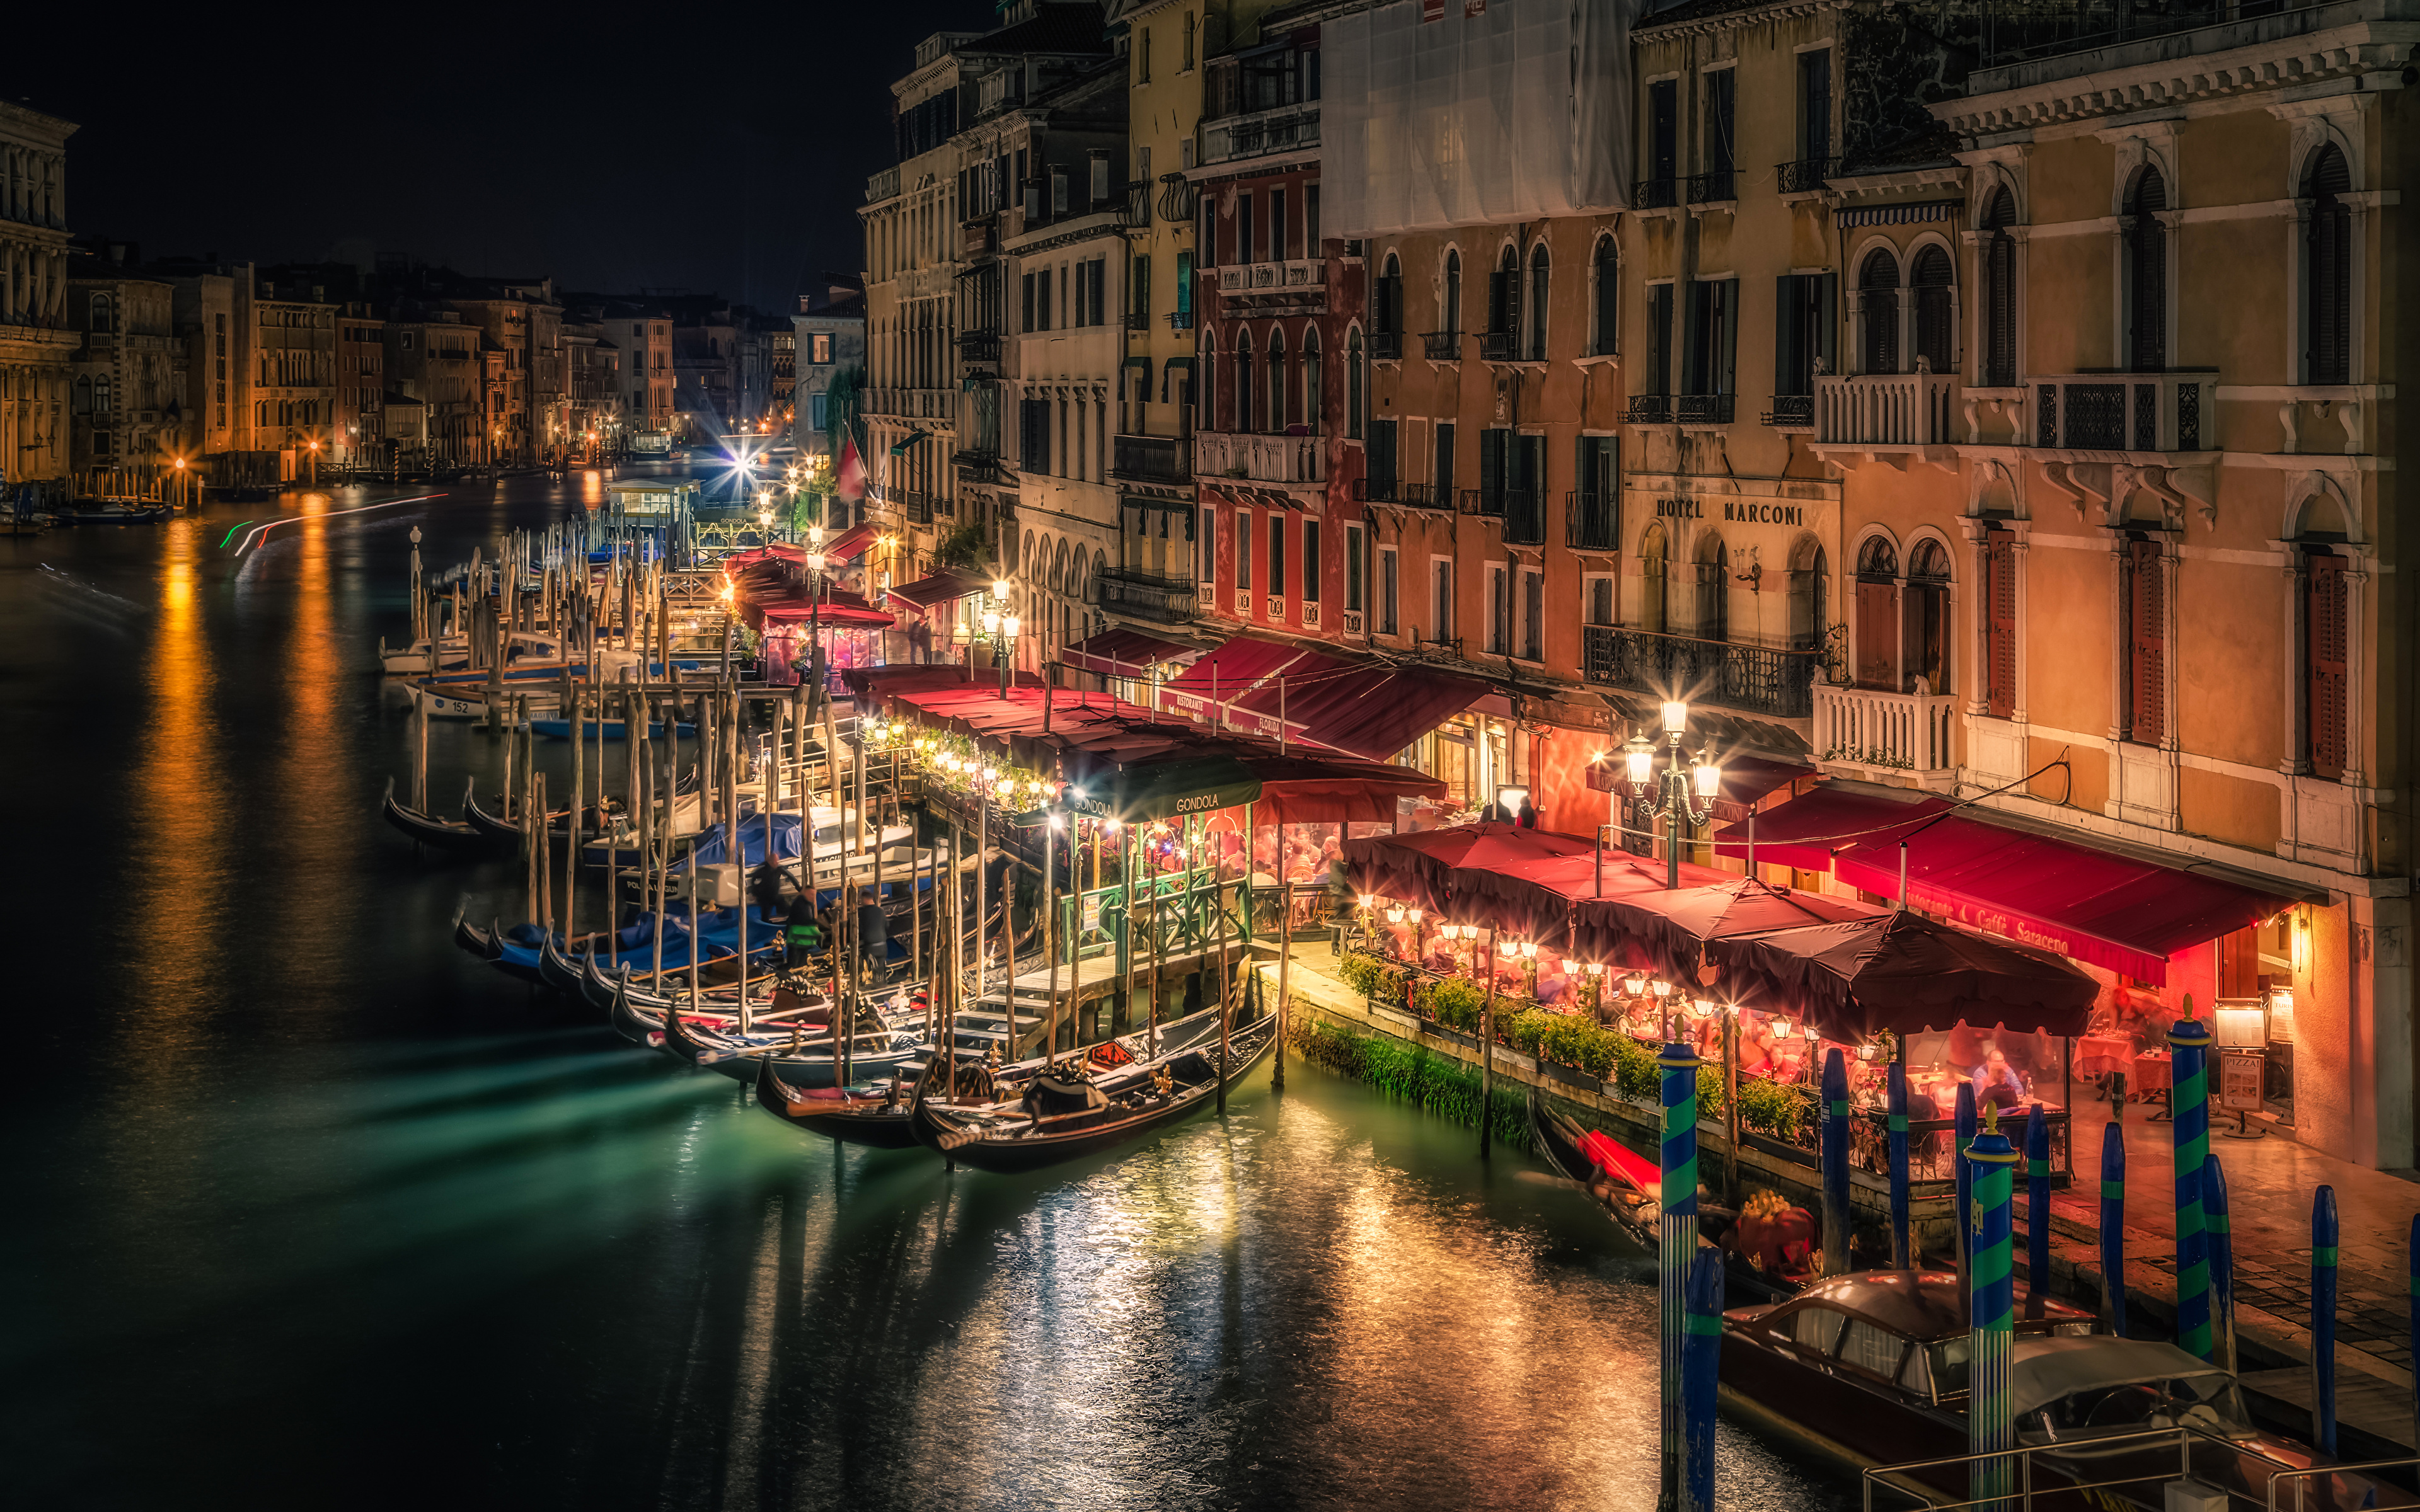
column 2271, row 1182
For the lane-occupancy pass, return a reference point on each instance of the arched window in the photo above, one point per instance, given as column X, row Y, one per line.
column 1538, row 302
column 1713, row 589
column 1207, row 399
column 1387, row 307
column 2147, row 273
column 1452, row 322
column 1651, row 579
column 1353, row 384
column 1928, row 615
column 1243, row 380
column 1504, row 307
column 1877, row 659
column 1313, row 389
column 1999, row 261
column 2327, row 269
column 1605, row 284
column 102, row 315
column 1810, row 593
column 1878, row 318
column 1936, row 324
column 1280, row 401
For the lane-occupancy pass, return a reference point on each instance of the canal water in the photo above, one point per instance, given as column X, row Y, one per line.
column 307, row 1207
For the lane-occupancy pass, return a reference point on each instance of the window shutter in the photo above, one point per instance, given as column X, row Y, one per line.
column 2145, row 644
column 2325, row 656
column 2000, row 270
column 2150, row 259
column 1382, row 452
column 1491, row 469
column 2000, row 588
column 1878, row 634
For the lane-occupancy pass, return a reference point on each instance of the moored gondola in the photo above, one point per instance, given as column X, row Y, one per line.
column 1624, row 1182
column 1085, row 1109
column 878, row 1117
column 451, row 836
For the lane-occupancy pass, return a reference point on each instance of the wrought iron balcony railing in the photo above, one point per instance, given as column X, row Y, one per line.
column 1152, row 459
column 1591, row 520
column 1714, row 186
column 1751, row 679
column 1386, row 344
column 1441, row 346
column 1702, row 409
column 1168, row 600
column 1649, row 409
column 1807, row 176
column 1655, row 193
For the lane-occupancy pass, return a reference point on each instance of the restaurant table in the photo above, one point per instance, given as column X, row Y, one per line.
column 2098, row 1055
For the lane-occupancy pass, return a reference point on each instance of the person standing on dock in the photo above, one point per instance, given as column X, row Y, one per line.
column 806, row 932
column 873, row 937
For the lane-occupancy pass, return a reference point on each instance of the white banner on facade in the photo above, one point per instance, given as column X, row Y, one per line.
column 1503, row 112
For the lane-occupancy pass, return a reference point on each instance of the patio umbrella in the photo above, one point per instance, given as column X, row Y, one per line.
column 1902, row 972
column 1674, row 926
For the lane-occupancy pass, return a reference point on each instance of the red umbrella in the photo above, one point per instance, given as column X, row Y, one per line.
column 1674, row 926
column 1439, row 866
column 1902, row 972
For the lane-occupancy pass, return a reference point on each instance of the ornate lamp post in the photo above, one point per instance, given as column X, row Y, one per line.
column 1001, row 627
column 1674, row 800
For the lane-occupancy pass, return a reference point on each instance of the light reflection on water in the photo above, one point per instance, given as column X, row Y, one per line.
column 306, row 1204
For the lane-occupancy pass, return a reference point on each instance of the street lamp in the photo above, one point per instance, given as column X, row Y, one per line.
column 1682, row 794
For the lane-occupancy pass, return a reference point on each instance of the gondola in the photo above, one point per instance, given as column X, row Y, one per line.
column 478, row 942
column 452, row 836
column 853, row 1115
column 1619, row 1180
column 503, row 830
column 716, row 1042
column 1067, row 1116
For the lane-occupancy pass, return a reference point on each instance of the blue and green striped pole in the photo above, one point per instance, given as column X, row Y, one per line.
column 2323, row 1317
column 2113, row 1226
column 2221, row 1262
column 1676, row 1234
column 1898, row 1165
column 1991, row 1418
column 2189, row 1098
column 1836, row 1164
column 1701, row 1370
column 1962, row 1133
column 2036, row 1209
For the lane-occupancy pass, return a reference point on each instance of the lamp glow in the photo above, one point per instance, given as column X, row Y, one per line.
column 1676, row 717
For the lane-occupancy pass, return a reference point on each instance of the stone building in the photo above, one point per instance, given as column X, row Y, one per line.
column 35, row 338
column 829, row 338
column 432, row 358
column 360, row 432
column 128, row 425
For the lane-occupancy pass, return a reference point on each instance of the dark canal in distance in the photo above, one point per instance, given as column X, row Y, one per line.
column 308, row 1207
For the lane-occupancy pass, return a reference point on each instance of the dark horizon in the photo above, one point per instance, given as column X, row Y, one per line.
column 355, row 163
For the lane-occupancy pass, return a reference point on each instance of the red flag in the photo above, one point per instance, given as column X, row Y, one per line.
column 852, row 472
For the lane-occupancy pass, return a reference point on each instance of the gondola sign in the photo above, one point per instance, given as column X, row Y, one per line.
column 1168, row 792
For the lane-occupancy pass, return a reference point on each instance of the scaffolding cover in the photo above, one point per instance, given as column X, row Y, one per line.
column 1493, row 110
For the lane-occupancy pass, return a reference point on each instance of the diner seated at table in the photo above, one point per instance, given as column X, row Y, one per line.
column 1755, row 1042
column 1997, row 1084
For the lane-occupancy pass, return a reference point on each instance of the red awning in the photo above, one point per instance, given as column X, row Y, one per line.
column 1805, row 831
column 1379, row 711
column 1235, row 666
column 943, row 587
column 1124, row 653
column 850, row 543
column 2123, row 913
column 844, row 616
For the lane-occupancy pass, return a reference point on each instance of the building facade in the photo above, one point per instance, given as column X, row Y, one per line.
column 36, row 342
column 829, row 341
column 127, row 421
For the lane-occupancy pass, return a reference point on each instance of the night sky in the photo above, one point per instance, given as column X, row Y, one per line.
column 721, row 149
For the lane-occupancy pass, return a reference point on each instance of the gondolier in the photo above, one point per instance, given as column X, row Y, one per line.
column 872, row 935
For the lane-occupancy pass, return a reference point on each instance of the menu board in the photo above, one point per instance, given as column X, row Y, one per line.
column 2239, row 1081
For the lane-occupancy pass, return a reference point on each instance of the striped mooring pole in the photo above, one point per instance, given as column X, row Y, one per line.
column 1961, row 1136
column 2113, row 1226
column 1676, row 1235
column 2037, row 1211
column 1991, row 1418
column 1700, row 1372
column 1900, row 1246
column 2324, row 1317
column 1836, row 1164
column 2221, row 1262
column 2189, row 1097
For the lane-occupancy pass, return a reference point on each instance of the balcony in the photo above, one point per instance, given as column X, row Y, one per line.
column 1525, row 518
column 979, row 345
column 1261, row 133
column 1151, row 459
column 1385, row 345
column 1406, row 495
column 1441, row 346
column 1300, row 278
column 1137, row 319
column 1898, row 410
column 1702, row 409
column 1719, row 186
column 1879, row 732
column 2141, row 412
column 1655, row 193
column 1791, row 411
column 979, row 463
column 1759, row 680
column 1482, row 502
column 1649, row 410
column 883, row 186
column 1593, row 522
column 912, row 403
column 1292, row 459
column 1166, row 600
column 982, row 236
column 1180, row 319
column 1500, row 346
column 1807, row 176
